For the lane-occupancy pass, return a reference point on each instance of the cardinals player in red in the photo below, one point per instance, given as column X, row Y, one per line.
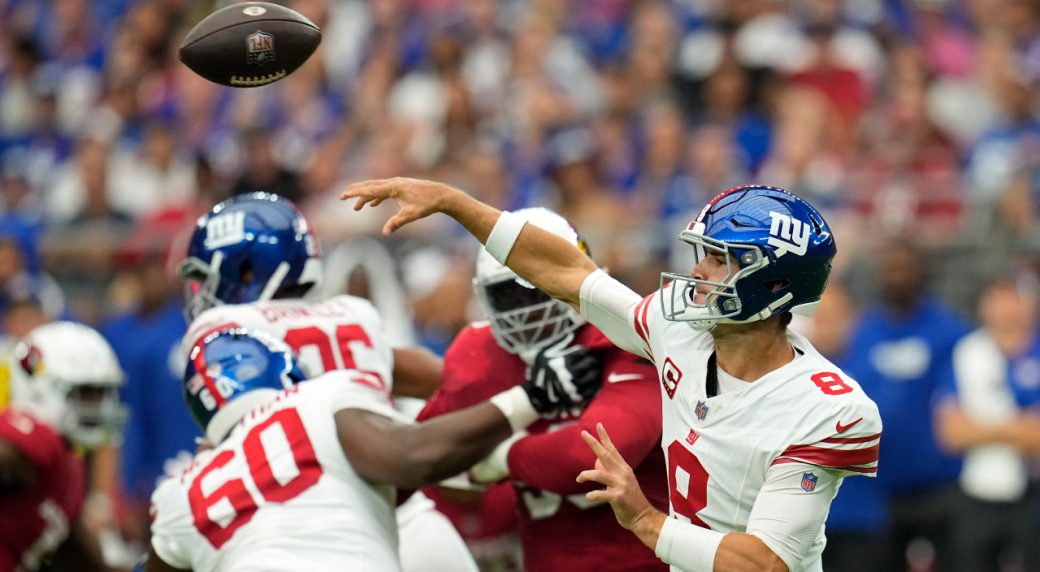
column 64, row 393
column 531, row 335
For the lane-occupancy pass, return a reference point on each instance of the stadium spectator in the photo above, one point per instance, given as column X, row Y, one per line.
column 899, row 351
column 992, row 420
column 146, row 337
column 736, row 304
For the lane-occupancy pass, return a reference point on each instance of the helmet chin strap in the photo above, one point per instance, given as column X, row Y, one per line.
column 708, row 323
column 277, row 277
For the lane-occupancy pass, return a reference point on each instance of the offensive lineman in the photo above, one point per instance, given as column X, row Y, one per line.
column 302, row 474
column 250, row 261
column 759, row 429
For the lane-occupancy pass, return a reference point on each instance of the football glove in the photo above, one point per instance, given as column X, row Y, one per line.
column 563, row 377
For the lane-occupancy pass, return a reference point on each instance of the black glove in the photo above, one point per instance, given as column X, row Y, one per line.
column 563, row 376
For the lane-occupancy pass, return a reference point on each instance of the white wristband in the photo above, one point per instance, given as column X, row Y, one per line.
column 516, row 407
column 496, row 466
column 687, row 546
column 503, row 236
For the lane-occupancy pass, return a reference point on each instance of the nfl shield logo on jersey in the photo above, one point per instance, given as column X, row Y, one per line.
column 259, row 48
column 809, row 482
column 701, row 410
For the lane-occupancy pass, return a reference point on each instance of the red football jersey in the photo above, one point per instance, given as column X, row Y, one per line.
column 559, row 529
column 35, row 521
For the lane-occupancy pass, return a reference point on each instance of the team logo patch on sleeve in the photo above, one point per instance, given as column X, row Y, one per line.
column 809, row 482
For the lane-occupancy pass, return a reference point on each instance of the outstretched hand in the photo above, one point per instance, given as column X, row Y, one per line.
column 632, row 510
column 416, row 198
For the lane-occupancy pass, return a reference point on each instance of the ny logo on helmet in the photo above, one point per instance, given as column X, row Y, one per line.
column 222, row 230
column 787, row 234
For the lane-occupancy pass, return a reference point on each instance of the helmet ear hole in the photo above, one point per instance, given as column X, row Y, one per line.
column 776, row 285
column 245, row 272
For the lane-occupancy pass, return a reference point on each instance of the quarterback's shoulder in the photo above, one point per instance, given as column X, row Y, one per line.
column 840, row 427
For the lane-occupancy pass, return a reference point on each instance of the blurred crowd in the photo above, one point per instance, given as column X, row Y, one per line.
column 911, row 124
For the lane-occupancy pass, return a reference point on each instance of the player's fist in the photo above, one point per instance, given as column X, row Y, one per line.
column 563, row 376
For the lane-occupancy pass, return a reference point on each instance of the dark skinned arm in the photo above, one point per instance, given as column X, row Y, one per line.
column 417, row 372
column 156, row 564
column 411, row 455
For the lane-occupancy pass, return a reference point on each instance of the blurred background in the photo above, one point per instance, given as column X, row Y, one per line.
column 912, row 125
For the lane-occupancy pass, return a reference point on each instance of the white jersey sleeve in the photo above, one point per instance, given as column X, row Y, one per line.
column 787, row 517
column 617, row 311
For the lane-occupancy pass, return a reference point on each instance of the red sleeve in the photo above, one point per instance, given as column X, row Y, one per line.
column 475, row 368
column 37, row 441
column 628, row 407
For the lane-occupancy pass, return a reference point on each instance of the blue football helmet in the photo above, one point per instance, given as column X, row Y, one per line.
column 778, row 250
column 230, row 372
column 249, row 248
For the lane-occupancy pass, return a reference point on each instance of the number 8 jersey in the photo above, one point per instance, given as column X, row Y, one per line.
column 764, row 457
column 279, row 494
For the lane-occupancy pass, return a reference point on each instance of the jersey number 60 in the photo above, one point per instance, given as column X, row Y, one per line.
column 220, row 513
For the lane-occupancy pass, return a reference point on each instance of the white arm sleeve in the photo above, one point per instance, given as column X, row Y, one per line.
column 611, row 306
column 788, row 519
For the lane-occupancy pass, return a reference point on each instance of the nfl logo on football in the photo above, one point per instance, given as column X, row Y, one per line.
column 809, row 482
column 259, row 48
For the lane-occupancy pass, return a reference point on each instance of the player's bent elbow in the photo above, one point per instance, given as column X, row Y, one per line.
column 740, row 552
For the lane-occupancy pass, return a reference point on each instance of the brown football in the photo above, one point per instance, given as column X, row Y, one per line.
column 249, row 44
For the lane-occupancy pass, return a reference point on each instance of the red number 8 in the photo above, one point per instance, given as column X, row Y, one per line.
column 830, row 383
column 684, row 465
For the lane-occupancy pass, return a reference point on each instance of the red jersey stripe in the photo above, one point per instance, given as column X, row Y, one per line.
column 638, row 322
column 842, row 440
column 833, row 457
column 854, row 469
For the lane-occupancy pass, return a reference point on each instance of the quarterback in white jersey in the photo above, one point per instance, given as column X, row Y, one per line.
column 758, row 428
column 303, row 474
column 250, row 260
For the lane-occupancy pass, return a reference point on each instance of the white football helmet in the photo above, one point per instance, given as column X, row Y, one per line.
column 523, row 318
column 67, row 376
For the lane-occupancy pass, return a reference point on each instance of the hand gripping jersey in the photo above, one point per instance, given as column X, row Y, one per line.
column 36, row 520
column 343, row 332
column 279, row 494
column 795, row 431
column 559, row 529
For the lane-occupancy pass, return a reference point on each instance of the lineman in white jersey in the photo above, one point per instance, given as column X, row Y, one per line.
column 303, row 474
column 758, row 428
column 250, row 260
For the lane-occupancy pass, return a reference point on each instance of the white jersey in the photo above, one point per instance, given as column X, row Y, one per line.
column 343, row 332
column 279, row 494
column 804, row 424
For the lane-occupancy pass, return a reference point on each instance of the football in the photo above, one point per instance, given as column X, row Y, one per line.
column 249, row 44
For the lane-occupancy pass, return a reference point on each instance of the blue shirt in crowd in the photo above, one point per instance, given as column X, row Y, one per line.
column 160, row 427
column 899, row 362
